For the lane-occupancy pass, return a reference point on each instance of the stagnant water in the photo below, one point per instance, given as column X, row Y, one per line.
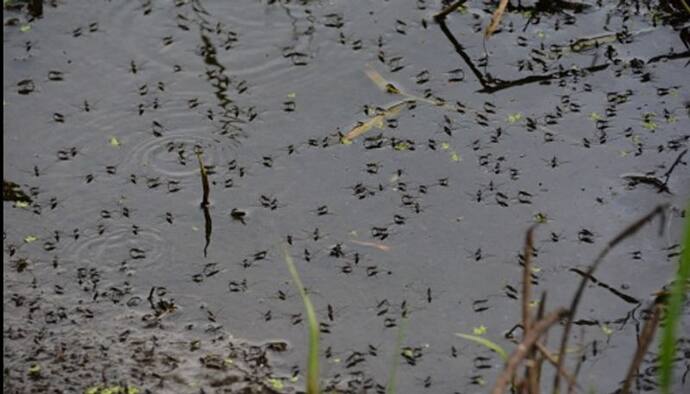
column 575, row 117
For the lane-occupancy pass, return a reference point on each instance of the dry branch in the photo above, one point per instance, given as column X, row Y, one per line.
column 524, row 347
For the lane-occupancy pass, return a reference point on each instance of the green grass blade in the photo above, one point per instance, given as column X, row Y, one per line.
column 486, row 343
column 313, row 358
column 675, row 306
column 390, row 387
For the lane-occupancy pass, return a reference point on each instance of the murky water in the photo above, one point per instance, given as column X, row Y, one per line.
column 107, row 104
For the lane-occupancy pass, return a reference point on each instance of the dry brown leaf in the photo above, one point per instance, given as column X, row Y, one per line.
column 376, row 121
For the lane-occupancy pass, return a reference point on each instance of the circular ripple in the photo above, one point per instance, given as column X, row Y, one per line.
column 174, row 155
column 120, row 247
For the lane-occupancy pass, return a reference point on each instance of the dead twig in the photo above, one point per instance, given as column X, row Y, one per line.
column 444, row 12
column 627, row 232
column 540, row 315
column 496, row 19
column 554, row 361
column 524, row 347
column 645, row 339
column 667, row 175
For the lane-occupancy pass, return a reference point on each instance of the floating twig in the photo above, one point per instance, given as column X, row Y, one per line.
column 667, row 175
column 451, row 8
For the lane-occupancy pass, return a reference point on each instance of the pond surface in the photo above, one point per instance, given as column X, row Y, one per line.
column 113, row 274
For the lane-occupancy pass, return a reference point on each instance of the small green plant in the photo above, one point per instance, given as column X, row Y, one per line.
column 390, row 387
column 313, row 358
column 673, row 313
column 486, row 343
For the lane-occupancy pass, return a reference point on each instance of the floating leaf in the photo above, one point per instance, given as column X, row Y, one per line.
column 111, row 390
column 486, row 343
column 514, row 118
column 25, row 28
column 35, row 369
column 381, row 247
column 376, row 121
column 30, row 238
column 454, row 156
column 445, row 146
column 276, row 383
column 114, row 142
column 21, row 204
column 540, row 218
column 401, row 146
column 595, row 116
column 649, row 125
column 381, row 82
column 607, row 330
column 481, row 330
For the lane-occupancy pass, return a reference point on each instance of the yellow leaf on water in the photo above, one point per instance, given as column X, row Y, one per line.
column 34, row 369
column 21, row 204
column 445, row 146
column 376, row 121
column 114, row 142
column 514, row 118
column 276, row 383
column 607, row 330
column 481, row 330
column 401, row 146
column 455, row 156
column 30, row 238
